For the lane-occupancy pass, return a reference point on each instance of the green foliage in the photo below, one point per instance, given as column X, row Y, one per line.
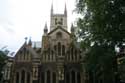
column 102, row 20
column 3, row 57
column 101, row 29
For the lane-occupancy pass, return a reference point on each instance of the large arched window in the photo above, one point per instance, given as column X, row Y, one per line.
column 17, row 77
column 48, row 76
column 59, row 48
column 23, row 76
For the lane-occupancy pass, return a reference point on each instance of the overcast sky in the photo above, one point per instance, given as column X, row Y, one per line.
column 26, row 18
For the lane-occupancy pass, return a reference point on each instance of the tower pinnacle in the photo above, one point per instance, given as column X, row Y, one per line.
column 30, row 42
column 45, row 29
column 65, row 11
column 52, row 9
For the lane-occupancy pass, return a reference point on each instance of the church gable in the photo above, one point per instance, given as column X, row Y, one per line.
column 59, row 33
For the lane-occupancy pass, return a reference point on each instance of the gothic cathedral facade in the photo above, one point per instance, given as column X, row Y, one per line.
column 58, row 60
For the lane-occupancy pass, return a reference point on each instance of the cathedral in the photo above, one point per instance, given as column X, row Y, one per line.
column 56, row 60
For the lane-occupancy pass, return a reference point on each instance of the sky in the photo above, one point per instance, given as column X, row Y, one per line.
column 26, row 18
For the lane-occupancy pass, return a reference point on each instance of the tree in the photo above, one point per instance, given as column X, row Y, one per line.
column 101, row 29
column 3, row 57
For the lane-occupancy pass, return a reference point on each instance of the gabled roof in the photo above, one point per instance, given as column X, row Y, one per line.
column 57, row 29
column 28, row 48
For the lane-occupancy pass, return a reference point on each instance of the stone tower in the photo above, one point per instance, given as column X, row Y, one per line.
column 58, row 20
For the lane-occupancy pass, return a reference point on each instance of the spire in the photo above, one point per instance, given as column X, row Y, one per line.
column 52, row 9
column 45, row 29
column 30, row 42
column 65, row 11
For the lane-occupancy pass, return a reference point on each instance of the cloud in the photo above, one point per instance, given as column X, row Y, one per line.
column 7, row 25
